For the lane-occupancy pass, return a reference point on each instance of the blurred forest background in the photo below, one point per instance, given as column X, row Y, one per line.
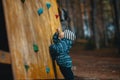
column 95, row 22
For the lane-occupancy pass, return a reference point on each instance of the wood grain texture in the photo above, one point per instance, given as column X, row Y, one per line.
column 5, row 57
column 25, row 28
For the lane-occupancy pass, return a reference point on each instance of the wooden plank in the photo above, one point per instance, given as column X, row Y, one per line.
column 55, row 23
column 25, row 28
column 5, row 57
column 13, row 15
column 43, row 40
column 29, row 31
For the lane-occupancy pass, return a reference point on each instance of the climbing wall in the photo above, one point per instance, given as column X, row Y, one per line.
column 30, row 26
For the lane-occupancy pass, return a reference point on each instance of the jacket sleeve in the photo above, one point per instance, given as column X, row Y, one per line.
column 55, row 38
column 52, row 47
column 69, row 43
column 63, row 46
column 52, row 51
column 55, row 50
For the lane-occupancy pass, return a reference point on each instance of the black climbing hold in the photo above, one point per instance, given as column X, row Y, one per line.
column 26, row 67
column 22, row 1
column 35, row 47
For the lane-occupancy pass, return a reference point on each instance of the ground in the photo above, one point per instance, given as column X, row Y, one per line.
column 103, row 64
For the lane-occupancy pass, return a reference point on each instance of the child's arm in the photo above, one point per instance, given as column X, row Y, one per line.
column 69, row 44
column 52, row 47
column 56, row 37
column 52, row 51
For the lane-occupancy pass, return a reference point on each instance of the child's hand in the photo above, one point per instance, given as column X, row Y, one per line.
column 58, row 30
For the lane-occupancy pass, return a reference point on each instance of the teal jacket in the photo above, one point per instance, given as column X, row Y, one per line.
column 60, row 51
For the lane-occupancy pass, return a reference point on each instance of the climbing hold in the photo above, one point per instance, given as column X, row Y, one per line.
column 48, row 4
column 40, row 11
column 56, row 16
column 26, row 67
column 3, row 56
column 47, row 69
column 35, row 47
column 22, row 1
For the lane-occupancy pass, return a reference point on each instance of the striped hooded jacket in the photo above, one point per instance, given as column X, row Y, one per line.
column 60, row 51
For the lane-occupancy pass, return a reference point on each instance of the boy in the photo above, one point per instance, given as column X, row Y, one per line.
column 60, row 52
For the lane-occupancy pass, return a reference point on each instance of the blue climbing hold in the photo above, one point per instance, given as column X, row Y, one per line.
column 48, row 4
column 47, row 69
column 40, row 11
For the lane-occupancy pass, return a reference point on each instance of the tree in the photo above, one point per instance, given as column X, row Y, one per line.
column 94, row 27
column 117, row 22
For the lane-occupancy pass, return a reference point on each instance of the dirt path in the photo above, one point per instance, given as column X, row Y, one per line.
column 101, row 64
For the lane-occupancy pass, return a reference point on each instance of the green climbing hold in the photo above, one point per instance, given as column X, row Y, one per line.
column 48, row 4
column 22, row 1
column 26, row 67
column 47, row 69
column 35, row 47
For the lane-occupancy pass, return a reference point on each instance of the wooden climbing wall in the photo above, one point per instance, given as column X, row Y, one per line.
column 27, row 31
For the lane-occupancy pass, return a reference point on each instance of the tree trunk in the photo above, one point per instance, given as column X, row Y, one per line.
column 117, row 22
column 95, row 30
